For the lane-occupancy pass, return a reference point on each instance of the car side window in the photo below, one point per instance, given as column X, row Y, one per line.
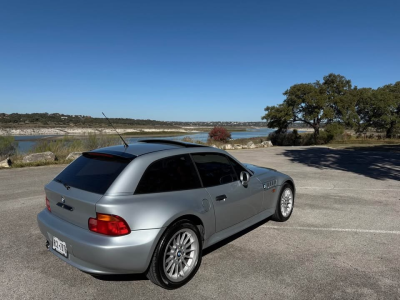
column 175, row 173
column 238, row 168
column 214, row 169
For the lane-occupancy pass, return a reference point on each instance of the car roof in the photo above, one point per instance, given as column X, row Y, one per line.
column 145, row 146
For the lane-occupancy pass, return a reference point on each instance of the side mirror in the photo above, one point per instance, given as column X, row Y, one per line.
column 244, row 178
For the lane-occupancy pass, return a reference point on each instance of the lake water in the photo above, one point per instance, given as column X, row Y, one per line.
column 26, row 143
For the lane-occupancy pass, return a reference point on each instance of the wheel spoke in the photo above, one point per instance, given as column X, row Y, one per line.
column 172, row 269
column 181, row 267
column 185, row 263
column 187, row 245
column 182, row 238
column 187, row 238
column 169, row 265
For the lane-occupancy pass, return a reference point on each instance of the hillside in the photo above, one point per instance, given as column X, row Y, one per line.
column 61, row 120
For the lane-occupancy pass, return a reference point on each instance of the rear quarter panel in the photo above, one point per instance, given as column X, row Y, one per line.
column 158, row 210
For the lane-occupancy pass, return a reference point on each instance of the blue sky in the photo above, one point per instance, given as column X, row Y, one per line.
column 187, row 60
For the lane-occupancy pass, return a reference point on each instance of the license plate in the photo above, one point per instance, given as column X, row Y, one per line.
column 60, row 246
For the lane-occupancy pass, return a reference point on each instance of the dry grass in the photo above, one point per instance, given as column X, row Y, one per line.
column 7, row 146
column 64, row 146
column 20, row 164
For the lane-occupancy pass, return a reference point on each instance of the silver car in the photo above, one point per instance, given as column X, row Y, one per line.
column 154, row 206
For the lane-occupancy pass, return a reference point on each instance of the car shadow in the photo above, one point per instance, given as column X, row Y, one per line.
column 140, row 277
column 233, row 237
column 378, row 162
column 121, row 277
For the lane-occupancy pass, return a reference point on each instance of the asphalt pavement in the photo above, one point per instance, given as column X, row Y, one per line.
column 342, row 241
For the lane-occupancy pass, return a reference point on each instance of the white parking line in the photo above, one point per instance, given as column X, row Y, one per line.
column 341, row 188
column 333, row 229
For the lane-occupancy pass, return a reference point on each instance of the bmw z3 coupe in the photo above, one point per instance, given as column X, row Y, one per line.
column 154, row 206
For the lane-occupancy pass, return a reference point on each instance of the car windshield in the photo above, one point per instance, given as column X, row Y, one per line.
column 92, row 173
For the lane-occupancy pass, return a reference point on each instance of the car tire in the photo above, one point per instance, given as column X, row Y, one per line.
column 177, row 256
column 285, row 204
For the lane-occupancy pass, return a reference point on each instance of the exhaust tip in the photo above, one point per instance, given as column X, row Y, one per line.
column 47, row 245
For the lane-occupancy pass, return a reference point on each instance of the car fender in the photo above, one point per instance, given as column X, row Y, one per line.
column 160, row 210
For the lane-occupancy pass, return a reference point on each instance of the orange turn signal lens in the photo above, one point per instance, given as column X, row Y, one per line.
column 109, row 225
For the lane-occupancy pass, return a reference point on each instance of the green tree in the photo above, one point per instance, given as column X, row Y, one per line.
column 364, row 108
column 379, row 109
column 387, row 109
column 338, row 90
column 313, row 104
column 304, row 102
column 309, row 104
column 279, row 117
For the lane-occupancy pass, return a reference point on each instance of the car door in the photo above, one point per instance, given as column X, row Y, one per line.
column 233, row 202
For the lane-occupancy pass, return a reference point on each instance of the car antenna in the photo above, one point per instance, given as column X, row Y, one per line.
column 125, row 144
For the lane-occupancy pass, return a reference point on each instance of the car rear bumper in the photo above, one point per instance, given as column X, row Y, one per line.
column 98, row 254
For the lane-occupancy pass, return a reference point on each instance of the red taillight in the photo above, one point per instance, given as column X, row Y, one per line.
column 109, row 225
column 48, row 204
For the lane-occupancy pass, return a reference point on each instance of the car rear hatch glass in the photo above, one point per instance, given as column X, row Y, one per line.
column 73, row 194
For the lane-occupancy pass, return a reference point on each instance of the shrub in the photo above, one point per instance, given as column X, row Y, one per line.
column 187, row 139
column 286, row 139
column 94, row 141
column 8, row 146
column 220, row 134
column 293, row 138
column 333, row 131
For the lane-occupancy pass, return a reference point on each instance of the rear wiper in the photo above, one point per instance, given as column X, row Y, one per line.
column 63, row 183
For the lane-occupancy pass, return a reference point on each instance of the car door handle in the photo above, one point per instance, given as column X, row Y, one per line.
column 221, row 198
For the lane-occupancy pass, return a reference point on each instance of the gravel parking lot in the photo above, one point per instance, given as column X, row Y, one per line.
column 342, row 241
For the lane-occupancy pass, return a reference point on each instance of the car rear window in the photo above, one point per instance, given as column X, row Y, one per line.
column 93, row 173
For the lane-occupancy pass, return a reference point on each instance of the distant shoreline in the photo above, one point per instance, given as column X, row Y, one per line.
column 132, row 132
column 85, row 131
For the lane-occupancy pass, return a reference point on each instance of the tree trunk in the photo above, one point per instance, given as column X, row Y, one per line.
column 390, row 131
column 316, row 134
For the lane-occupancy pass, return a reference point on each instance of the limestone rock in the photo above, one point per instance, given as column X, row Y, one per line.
column 5, row 163
column 73, row 155
column 238, row 146
column 44, row 156
column 227, row 147
column 250, row 145
column 267, row 144
column 259, row 145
